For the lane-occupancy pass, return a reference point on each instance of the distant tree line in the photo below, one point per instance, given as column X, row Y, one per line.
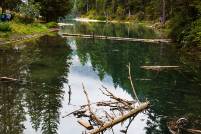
column 182, row 17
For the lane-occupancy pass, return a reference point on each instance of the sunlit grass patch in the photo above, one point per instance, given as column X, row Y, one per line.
column 27, row 28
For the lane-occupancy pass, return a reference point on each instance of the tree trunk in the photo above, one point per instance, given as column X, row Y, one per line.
column 2, row 4
column 164, row 15
column 87, row 5
column 110, row 124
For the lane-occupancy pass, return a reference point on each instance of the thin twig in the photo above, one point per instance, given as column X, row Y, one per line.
column 131, row 81
column 93, row 116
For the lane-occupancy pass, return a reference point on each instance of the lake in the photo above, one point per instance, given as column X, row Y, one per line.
column 51, row 65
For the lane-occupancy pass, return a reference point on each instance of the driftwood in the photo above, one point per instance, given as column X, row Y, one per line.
column 158, row 68
column 85, row 124
column 104, row 115
column 117, row 38
column 180, row 126
column 142, row 107
column 193, row 131
column 7, row 79
column 126, row 109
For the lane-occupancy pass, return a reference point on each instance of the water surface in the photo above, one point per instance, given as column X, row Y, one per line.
column 48, row 66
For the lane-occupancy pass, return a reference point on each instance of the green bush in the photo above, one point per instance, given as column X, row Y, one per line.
column 30, row 10
column 91, row 14
column 100, row 17
column 52, row 24
column 5, row 27
column 193, row 36
column 179, row 28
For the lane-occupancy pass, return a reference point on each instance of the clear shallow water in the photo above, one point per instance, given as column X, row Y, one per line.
column 49, row 65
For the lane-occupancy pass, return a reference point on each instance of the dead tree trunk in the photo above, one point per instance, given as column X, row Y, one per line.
column 110, row 124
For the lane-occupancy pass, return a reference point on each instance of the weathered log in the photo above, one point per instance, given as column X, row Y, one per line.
column 117, row 38
column 193, row 131
column 85, row 124
column 7, row 79
column 110, row 124
column 159, row 67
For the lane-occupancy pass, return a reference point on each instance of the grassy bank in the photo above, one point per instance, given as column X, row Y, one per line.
column 15, row 30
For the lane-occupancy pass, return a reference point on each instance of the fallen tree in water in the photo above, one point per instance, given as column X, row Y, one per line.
column 110, row 113
column 106, row 119
column 116, row 38
column 7, row 79
column 180, row 126
column 115, row 121
column 158, row 68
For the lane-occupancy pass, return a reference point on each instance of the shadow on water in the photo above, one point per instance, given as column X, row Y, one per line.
column 42, row 66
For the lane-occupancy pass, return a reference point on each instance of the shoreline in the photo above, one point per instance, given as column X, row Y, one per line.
column 21, row 38
column 148, row 24
column 80, row 19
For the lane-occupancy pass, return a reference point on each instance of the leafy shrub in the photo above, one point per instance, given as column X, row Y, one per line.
column 91, row 14
column 30, row 10
column 179, row 27
column 120, row 12
column 5, row 27
column 193, row 36
column 100, row 17
column 52, row 24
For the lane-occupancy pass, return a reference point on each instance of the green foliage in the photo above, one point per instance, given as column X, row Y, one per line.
column 21, row 28
column 52, row 24
column 5, row 27
column 193, row 36
column 120, row 12
column 91, row 14
column 30, row 10
column 176, row 26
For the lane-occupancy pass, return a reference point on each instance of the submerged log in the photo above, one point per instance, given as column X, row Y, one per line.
column 117, row 38
column 110, row 124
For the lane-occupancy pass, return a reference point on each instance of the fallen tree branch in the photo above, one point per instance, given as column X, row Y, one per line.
column 7, row 79
column 132, row 85
column 85, row 124
column 110, row 124
column 111, row 95
column 93, row 116
column 194, row 131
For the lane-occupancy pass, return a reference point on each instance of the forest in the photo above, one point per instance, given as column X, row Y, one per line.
column 180, row 18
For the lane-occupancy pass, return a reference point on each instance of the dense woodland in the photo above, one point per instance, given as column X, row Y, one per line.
column 182, row 18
